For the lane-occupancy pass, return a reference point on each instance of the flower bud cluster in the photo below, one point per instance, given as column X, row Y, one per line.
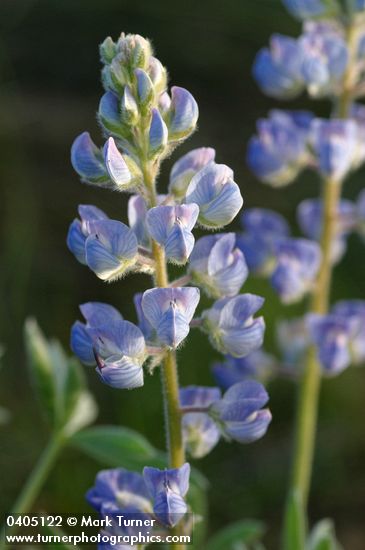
column 140, row 117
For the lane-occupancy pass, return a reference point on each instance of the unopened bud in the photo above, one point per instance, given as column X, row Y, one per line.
column 107, row 50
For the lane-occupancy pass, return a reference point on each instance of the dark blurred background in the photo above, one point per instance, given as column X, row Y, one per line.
column 49, row 92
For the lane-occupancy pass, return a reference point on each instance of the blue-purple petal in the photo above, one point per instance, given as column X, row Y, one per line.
column 116, row 165
column 81, row 343
column 87, row 160
column 184, row 114
column 158, row 133
column 186, row 167
column 76, row 241
column 121, row 373
column 98, row 314
column 111, row 249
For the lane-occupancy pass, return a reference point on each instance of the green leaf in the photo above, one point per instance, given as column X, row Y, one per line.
column 237, row 536
column 322, row 537
column 41, row 369
column 118, row 447
column 83, row 414
column 59, row 382
column 69, row 379
column 294, row 530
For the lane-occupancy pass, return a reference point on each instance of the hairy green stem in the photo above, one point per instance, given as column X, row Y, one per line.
column 35, row 482
column 169, row 373
column 169, row 376
column 170, row 382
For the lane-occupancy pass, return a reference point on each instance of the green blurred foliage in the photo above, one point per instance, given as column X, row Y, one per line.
column 49, row 91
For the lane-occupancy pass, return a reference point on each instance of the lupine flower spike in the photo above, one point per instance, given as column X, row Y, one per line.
column 143, row 121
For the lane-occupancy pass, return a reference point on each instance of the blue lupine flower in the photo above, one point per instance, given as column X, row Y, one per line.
column 316, row 61
column 277, row 70
column 257, row 364
column 116, row 346
column 87, row 160
column 169, row 311
column 120, row 352
column 330, row 334
column 239, row 413
column 80, row 230
column 183, row 114
column 217, row 195
column 293, row 341
column 264, row 221
column 171, row 227
column 111, row 249
column 120, row 492
column 96, row 314
column 325, row 57
column 310, row 9
column 309, row 214
column 263, row 228
column 186, row 167
column 298, row 261
column 279, row 151
column 121, row 488
column 137, row 212
column 199, row 431
column 107, row 246
column 168, row 489
column 217, row 266
column 231, row 326
column 354, row 312
column 335, row 144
